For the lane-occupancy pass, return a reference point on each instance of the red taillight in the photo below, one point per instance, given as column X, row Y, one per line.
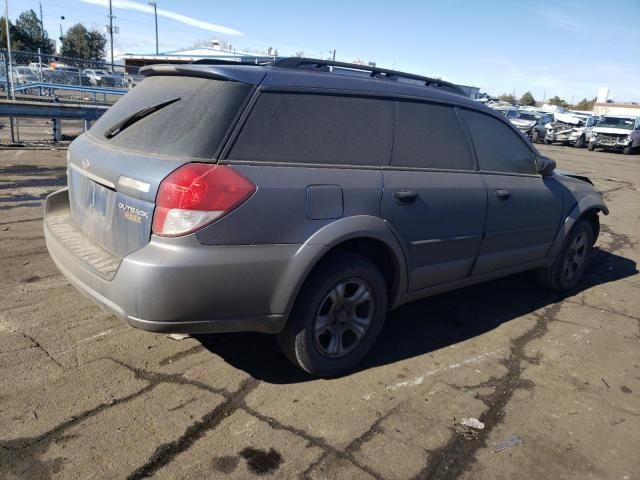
column 197, row 194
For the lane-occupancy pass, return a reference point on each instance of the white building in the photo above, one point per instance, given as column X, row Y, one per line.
column 622, row 109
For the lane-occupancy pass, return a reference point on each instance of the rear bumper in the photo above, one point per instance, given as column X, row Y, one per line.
column 178, row 284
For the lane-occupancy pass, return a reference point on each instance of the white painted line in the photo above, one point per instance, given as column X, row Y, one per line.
column 414, row 382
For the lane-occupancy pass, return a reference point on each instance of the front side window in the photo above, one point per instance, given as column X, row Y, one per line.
column 498, row 147
column 317, row 129
column 429, row 136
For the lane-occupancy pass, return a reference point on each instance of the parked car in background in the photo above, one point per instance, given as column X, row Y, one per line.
column 570, row 129
column 99, row 77
column 67, row 75
column 525, row 121
column 509, row 112
column 619, row 133
column 217, row 198
column 132, row 79
column 539, row 130
column 23, row 75
column 38, row 68
column 119, row 79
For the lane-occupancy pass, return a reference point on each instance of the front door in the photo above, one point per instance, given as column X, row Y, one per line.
column 524, row 208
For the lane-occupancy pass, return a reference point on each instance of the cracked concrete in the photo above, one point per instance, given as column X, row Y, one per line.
column 84, row 396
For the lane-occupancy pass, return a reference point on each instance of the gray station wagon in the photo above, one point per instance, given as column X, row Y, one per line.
column 306, row 199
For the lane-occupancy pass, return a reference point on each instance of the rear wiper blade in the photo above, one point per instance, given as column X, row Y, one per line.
column 134, row 117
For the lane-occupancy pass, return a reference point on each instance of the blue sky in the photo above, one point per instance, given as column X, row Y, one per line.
column 550, row 47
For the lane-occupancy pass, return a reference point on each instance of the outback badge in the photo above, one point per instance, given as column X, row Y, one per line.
column 132, row 214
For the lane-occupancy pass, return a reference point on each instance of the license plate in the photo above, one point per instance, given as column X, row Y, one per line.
column 96, row 197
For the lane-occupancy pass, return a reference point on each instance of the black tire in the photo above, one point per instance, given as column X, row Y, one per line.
column 535, row 136
column 572, row 260
column 300, row 340
column 591, row 147
column 547, row 141
column 579, row 142
column 628, row 150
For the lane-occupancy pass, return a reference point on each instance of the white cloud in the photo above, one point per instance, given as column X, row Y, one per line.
column 178, row 17
column 561, row 20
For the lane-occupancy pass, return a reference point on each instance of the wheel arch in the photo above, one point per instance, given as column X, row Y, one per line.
column 365, row 235
column 588, row 208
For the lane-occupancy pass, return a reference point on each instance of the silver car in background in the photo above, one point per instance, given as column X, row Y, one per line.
column 618, row 133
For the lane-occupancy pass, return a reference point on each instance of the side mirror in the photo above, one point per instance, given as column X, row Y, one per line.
column 546, row 166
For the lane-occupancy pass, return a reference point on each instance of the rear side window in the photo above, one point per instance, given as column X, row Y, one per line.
column 498, row 147
column 322, row 129
column 193, row 126
column 429, row 136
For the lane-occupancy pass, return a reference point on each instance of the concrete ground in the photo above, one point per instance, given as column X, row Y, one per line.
column 84, row 396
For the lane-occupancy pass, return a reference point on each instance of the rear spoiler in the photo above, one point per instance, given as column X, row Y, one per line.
column 236, row 73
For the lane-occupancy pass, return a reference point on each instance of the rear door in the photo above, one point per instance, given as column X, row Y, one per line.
column 524, row 208
column 432, row 197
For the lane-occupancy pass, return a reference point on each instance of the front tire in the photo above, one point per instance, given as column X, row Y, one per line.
column 566, row 270
column 337, row 316
column 628, row 150
column 579, row 142
column 591, row 147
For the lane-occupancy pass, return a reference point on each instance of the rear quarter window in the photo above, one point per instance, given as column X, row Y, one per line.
column 194, row 126
column 317, row 129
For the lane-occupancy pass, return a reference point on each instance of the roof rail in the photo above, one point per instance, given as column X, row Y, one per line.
column 218, row 61
column 374, row 72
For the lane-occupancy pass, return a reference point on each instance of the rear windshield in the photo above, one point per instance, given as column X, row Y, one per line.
column 193, row 126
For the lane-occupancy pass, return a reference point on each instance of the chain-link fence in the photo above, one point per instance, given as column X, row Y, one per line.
column 37, row 77
column 55, row 78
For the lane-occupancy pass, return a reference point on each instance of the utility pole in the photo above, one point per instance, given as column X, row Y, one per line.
column 155, row 13
column 334, row 55
column 12, row 92
column 41, row 25
column 111, row 32
column 61, row 36
column 10, row 66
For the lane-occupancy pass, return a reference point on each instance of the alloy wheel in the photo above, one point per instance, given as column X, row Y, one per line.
column 575, row 257
column 343, row 318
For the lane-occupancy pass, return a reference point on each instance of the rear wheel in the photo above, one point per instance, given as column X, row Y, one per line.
column 572, row 260
column 535, row 137
column 337, row 316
